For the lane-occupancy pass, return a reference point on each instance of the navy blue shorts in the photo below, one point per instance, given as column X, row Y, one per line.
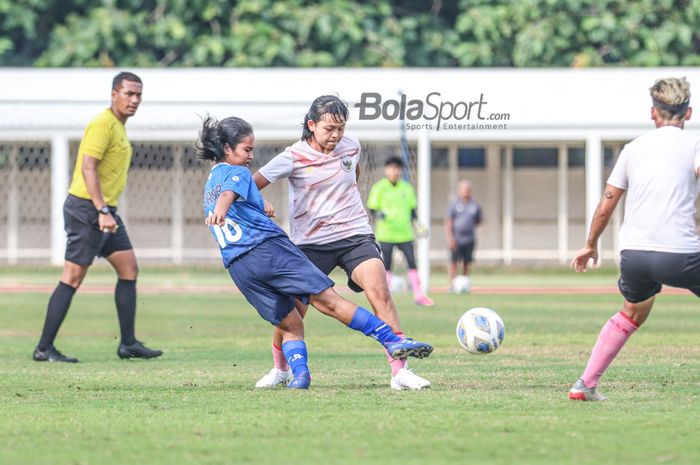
column 275, row 273
column 642, row 273
column 345, row 253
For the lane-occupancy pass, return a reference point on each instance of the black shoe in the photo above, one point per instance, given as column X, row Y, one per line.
column 52, row 354
column 137, row 350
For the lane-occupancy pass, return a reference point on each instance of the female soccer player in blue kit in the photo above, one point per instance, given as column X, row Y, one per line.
column 271, row 272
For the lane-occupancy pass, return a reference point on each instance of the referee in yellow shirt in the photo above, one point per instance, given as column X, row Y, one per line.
column 93, row 226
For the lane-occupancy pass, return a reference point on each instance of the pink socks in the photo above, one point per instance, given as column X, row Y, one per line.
column 418, row 296
column 612, row 337
column 278, row 358
column 396, row 364
column 415, row 283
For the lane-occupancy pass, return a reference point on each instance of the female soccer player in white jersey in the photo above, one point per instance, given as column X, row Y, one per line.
column 329, row 223
column 270, row 271
column 659, row 241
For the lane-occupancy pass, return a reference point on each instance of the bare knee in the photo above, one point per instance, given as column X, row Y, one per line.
column 73, row 274
column 129, row 270
column 638, row 312
column 125, row 264
column 133, row 272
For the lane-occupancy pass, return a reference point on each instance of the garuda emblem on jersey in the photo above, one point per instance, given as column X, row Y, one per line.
column 346, row 163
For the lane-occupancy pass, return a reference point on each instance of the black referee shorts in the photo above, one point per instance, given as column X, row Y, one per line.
column 85, row 240
column 643, row 272
column 345, row 253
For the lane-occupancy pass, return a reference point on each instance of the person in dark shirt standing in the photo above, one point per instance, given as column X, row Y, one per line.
column 463, row 216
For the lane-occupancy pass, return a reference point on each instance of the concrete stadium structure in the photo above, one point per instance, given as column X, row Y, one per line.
column 537, row 168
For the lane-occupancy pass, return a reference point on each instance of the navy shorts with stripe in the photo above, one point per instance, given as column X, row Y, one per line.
column 346, row 253
column 275, row 273
column 643, row 272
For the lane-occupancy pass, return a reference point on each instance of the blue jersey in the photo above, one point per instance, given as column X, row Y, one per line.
column 247, row 225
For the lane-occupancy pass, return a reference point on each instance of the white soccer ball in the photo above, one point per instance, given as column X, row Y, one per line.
column 480, row 331
column 398, row 284
column 461, row 285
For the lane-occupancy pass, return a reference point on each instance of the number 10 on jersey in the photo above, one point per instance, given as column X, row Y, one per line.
column 227, row 234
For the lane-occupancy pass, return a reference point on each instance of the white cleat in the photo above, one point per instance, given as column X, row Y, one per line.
column 579, row 391
column 274, row 378
column 406, row 379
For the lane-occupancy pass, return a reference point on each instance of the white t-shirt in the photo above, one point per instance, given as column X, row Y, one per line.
column 658, row 171
column 324, row 199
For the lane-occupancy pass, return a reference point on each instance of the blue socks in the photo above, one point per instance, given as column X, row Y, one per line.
column 372, row 326
column 295, row 353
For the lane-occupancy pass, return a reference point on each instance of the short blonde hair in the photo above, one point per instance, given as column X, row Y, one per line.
column 671, row 96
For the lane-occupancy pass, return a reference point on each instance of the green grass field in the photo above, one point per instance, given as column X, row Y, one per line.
column 197, row 403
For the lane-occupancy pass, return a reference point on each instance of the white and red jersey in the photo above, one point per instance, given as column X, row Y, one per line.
column 324, row 199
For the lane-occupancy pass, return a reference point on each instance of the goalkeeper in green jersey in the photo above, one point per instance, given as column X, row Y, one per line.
column 392, row 201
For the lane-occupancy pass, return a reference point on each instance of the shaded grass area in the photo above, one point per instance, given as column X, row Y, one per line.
column 197, row 405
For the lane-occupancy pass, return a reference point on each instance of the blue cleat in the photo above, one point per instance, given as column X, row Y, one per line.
column 303, row 381
column 409, row 348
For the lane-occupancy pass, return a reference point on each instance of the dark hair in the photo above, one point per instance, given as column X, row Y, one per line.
column 124, row 76
column 395, row 161
column 670, row 111
column 216, row 134
column 325, row 104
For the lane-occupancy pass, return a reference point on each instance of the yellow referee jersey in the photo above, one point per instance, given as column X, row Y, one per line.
column 104, row 139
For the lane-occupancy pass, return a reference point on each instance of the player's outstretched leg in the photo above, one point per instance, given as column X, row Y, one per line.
column 359, row 319
column 371, row 326
column 612, row 338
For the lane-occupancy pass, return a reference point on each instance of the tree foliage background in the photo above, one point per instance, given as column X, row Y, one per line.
column 256, row 33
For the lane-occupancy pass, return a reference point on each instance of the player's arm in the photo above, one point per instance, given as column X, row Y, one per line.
column 449, row 233
column 260, row 180
column 373, row 203
column 377, row 214
column 106, row 222
column 281, row 166
column 601, row 218
column 357, row 173
column 223, row 203
column 269, row 209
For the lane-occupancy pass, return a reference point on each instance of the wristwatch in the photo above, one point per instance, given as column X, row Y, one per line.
column 104, row 210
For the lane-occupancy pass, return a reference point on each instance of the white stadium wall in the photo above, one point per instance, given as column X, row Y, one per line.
column 538, row 179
